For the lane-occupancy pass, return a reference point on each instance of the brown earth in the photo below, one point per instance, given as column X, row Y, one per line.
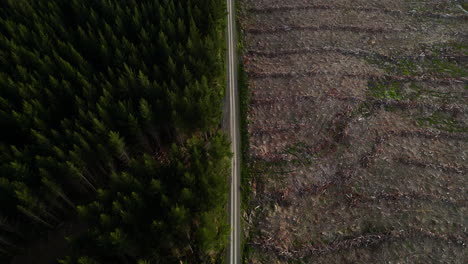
column 358, row 125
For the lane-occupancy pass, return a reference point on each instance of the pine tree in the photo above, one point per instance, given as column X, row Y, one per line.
column 99, row 105
column 117, row 144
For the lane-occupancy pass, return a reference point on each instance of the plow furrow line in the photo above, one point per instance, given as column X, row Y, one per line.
column 283, row 100
column 284, row 197
column 447, row 168
column 262, row 130
column 354, row 29
column 358, row 241
column 355, row 199
column 316, row 50
column 349, row 52
column 373, row 102
column 392, row 12
column 402, row 78
column 285, row 8
column 431, row 134
column 366, row 160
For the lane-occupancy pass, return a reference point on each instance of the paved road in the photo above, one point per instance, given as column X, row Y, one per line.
column 232, row 116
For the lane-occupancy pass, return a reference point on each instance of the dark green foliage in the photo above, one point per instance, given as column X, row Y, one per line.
column 109, row 113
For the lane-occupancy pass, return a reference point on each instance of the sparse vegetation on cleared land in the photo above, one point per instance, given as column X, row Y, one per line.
column 358, row 126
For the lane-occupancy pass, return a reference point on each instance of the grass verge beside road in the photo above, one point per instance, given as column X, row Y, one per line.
column 244, row 99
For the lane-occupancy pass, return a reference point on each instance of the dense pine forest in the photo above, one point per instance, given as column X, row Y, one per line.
column 110, row 113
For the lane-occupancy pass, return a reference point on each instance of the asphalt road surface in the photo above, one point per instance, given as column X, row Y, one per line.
column 233, row 126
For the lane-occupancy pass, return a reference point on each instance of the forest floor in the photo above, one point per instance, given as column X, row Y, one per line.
column 52, row 246
column 358, row 125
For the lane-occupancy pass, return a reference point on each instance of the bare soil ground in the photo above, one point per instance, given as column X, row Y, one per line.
column 358, row 126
